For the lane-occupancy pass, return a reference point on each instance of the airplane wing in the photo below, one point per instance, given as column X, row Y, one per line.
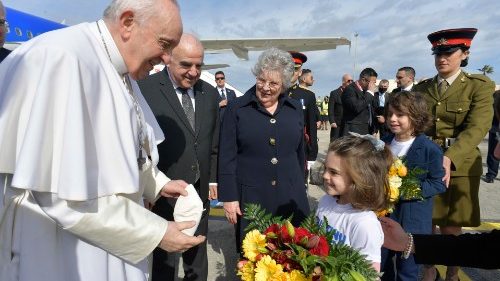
column 214, row 66
column 241, row 47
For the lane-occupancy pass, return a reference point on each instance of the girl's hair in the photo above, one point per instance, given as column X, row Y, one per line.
column 412, row 104
column 368, row 168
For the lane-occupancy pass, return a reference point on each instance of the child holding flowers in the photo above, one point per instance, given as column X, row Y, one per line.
column 356, row 183
column 407, row 118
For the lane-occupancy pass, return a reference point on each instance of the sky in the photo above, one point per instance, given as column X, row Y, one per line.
column 391, row 34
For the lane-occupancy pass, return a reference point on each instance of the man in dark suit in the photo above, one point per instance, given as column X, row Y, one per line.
column 187, row 110
column 335, row 107
column 405, row 77
column 225, row 94
column 381, row 97
column 358, row 102
column 3, row 30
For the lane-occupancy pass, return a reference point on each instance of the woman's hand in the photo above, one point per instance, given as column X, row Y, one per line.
column 447, row 170
column 232, row 211
column 395, row 238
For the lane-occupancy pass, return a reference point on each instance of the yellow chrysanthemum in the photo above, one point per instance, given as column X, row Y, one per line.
column 382, row 213
column 393, row 171
column 253, row 242
column 398, row 163
column 402, row 171
column 296, row 275
column 395, row 183
column 267, row 269
column 247, row 272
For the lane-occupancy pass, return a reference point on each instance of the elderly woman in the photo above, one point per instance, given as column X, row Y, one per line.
column 460, row 104
column 261, row 149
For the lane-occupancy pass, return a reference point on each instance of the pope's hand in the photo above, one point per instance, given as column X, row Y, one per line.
column 174, row 188
column 232, row 210
column 176, row 241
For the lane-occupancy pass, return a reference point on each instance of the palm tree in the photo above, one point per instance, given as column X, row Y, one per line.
column 487, row 69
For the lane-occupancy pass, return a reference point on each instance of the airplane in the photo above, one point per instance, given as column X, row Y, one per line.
column 23, row 26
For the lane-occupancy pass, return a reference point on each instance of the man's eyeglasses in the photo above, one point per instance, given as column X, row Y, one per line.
column 350, row 81
column 219, row 78
column 3, row 22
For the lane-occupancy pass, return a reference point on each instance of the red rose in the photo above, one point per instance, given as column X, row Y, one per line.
column 273, row 228
column 300, row 234
column 321, row 248
column 284, row 235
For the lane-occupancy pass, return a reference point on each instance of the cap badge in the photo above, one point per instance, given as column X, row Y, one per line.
column 442, row 41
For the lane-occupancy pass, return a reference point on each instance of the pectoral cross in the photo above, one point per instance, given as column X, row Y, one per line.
column 141, row 160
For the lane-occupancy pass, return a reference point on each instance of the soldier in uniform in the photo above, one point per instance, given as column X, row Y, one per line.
column 311, row 113
column 460, row 103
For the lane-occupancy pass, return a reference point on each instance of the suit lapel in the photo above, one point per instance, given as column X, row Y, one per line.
column 168, row 91
column 415, row 150
column 432, row 89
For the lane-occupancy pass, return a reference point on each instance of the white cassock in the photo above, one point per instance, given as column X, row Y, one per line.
column 72, row 190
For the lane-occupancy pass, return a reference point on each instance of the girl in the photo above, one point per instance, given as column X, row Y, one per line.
column 407, row 118
column 356, row 183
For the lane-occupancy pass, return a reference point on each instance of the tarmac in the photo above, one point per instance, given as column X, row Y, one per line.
column 222, row 256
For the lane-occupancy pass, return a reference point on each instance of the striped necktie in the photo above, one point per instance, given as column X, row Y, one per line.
column 187, row 105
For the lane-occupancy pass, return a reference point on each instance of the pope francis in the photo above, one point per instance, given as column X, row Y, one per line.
column 78, row 149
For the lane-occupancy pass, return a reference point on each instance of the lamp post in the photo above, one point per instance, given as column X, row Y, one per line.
column 355, row 47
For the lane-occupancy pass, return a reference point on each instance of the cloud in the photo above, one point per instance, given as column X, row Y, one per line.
column 391, row 33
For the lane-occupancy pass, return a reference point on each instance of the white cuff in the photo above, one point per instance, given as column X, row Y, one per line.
column 122, row 228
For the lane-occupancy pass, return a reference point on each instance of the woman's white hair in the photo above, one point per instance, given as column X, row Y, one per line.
column 143, row 9
column 276, row 60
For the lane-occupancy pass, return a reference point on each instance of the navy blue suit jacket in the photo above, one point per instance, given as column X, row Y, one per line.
column 416, row 216
column 230, row 94
column 261, row 157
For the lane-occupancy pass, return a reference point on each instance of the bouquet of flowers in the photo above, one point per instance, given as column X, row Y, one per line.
column 274, row 249
column 403, row 184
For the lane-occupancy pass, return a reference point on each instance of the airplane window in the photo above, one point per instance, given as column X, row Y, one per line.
column 18, row 31
column 30, row 35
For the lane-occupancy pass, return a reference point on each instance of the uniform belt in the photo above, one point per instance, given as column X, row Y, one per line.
column 443, row 142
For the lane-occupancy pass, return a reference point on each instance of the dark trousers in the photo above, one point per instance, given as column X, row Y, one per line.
column 491, row 162
column 195, row 260
column 335, row 133
column 400, row 270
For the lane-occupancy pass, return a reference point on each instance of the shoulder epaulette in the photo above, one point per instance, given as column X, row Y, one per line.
column 481, row 77
column 425, row 81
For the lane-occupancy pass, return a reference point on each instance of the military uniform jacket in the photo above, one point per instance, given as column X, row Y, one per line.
column 462, row 112
column 307, row 100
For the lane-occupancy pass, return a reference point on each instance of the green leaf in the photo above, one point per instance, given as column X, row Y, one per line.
column 259, row 219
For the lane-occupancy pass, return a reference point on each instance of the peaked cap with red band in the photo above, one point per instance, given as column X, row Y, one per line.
column 298, row 58
column 450, row 40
